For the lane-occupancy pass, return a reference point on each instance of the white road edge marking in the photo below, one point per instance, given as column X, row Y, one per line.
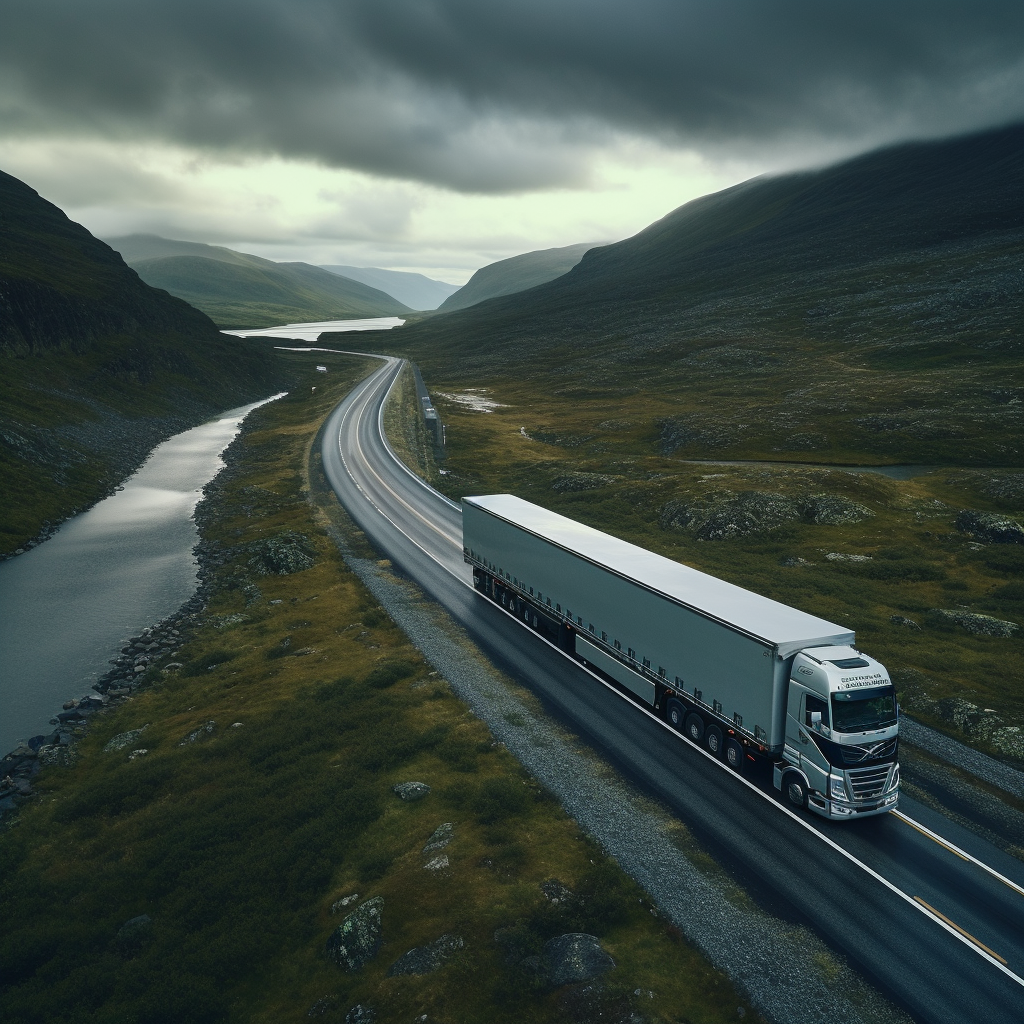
column 942, row 841
column 910, row 900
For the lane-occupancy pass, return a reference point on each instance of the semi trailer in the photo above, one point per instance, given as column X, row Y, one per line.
column 743, row 676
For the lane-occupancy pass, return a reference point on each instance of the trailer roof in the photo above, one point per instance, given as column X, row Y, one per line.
column 787, row 628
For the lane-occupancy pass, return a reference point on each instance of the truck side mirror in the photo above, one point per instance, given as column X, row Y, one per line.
column 815, row 719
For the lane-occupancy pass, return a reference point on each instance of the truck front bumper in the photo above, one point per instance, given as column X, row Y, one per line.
column 843, row 811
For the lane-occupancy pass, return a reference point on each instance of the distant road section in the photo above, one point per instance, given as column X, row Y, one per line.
column 312, row 331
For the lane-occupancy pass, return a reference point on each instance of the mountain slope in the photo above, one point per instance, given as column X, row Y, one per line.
column 417, row 291
column 869, row 311
column 96, row 367
column 516, row 274
column 239, row 290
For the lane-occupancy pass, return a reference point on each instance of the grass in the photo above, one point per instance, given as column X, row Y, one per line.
column 238, row 845
column 596, row 461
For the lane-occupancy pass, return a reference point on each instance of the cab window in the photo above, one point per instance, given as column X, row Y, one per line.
column 813, row 703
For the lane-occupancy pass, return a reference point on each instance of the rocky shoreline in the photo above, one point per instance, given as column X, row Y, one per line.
column 153, row 649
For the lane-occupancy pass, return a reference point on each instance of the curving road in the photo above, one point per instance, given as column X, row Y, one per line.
column 932, row 913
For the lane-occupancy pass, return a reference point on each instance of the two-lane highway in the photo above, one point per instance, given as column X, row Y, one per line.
column 932, row 913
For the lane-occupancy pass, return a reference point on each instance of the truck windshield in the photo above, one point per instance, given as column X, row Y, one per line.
column 864, row 710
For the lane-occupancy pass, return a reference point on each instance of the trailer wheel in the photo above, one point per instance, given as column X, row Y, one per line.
column 734, row 754
column 676, row 714
column 713, row 740
column 695, row 727
column 795, row 789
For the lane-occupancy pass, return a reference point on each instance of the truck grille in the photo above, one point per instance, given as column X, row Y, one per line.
column 871, row 752
column 867, row 783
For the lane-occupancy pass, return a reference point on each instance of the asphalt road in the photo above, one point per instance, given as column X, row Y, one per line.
column 930, row 912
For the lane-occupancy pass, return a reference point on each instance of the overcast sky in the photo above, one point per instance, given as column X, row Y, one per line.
column 440, row 135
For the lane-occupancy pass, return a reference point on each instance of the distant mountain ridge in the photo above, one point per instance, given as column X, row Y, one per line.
column 96, row 367
column 239, row 290
column 866, row 311
column 516, row 274
column 417, row 291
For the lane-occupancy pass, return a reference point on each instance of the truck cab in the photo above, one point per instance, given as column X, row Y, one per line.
column 841, row 745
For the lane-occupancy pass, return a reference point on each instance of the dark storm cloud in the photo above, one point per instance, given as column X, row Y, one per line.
column 489, row 96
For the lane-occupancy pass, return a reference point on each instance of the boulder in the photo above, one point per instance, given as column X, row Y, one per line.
column 198, row 734
column 360, row 1014
column 832, row 510
column 990, row 528
column 726, row 515
column 427, row 959
column 973, row 622
column 574, row 957
column 440, row 838
column 356, row 941
column 411, row 791
column 282, row 555
column 902, row 620
column 123, row 739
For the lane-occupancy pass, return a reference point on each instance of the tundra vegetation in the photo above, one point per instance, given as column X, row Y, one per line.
column 246, row 857
column 865, row 314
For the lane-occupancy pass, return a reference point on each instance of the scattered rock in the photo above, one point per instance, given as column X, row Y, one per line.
column 322, row 1006
column 198, row 734
column 726, row 515
column 441, row 837
column 832, row 510
column 360, row 1014
column 141, row 752
column 411, row 791
column 427, row 959
column 282, row 555
column 793, row 560
column 343, row 902
column 558, row 893
column 580, row 481
column 439, row 863
column 133, row 935
column 990, row 528
column 902, row 620
column 840, row 556
column 574, row 957
column 357, row 939
column 973, row 622
column 124, row 739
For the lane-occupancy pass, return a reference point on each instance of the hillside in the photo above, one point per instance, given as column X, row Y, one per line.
column 417, row 291
column 866, row 312
column 239, row 290
column 97, row 367
column 516, row 274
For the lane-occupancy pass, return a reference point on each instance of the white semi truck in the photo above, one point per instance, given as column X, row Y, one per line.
column 743, row 676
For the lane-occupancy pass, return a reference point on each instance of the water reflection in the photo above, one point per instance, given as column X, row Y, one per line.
column 67, row 606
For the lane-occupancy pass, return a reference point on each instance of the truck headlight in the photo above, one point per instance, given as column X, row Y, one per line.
column 837, row 787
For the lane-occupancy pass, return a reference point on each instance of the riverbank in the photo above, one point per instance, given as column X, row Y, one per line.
column 216, row 835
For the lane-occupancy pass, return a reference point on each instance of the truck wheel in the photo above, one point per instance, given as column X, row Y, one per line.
column 734, row 756
column 713, row 740
column 676, row 714
column 795, row 789
column 695, row 727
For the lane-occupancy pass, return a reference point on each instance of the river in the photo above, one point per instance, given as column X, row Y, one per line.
column 68, row 605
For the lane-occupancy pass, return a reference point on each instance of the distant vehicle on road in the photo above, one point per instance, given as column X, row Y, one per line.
column 737, row 673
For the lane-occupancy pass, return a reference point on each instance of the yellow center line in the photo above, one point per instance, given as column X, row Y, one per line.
column 933, row 838
column 967, row 935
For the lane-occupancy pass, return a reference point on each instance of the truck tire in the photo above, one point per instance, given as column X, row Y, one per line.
column 794, row 789
column 735, row 756
column 694, row 727
column 713, row 740
column 676, row 714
